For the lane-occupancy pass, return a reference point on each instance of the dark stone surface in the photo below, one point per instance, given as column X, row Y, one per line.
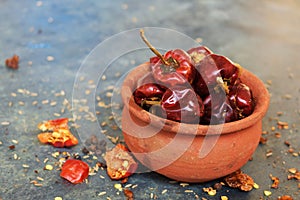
column 262, row 36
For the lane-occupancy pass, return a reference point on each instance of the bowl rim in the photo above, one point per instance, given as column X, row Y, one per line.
column 259, row 90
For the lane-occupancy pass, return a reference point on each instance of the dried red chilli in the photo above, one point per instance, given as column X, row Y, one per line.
column 175, row 67
column 75, row 171
column 120, row 164
column 220, row 96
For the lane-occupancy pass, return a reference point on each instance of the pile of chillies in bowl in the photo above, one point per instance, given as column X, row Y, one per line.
column 194, row 86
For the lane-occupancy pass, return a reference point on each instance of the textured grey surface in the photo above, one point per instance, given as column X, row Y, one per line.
column 261, row 36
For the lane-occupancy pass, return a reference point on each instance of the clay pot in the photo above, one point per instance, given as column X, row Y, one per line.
column 191, row 152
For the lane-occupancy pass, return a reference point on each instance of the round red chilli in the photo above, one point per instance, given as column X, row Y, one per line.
column 75, row 171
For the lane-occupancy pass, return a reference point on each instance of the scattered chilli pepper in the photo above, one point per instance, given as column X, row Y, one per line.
column 239, row 180
column 275, row 180
column 50, row 125
column 285, row 197
column 120, row 163
column 56, row 132
column 75, row 171
column 129, row 194
column 173, row 68
column 12, row 62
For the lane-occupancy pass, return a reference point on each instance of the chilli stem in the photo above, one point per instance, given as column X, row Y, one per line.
column 142, row 33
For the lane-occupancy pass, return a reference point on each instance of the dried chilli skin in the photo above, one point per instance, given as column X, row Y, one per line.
column 57, row 133
column 129, row 194
column 51, row 125
column 13, row 62
column 198, row 53
column 120, row 164
column 294, row 176
column 182, row 104
column 285, row 197
column 275, row 180
column 75, row 171
column 240, row 180
column 180, row 70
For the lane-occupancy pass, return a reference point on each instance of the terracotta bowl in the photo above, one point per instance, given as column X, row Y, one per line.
column 191, row 152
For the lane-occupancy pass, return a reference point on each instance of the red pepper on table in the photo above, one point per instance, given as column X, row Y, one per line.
column 173, row 68
column 57, row 133
column 120, row 163
column 50, row 125
column 75, row 171
column 182, row 104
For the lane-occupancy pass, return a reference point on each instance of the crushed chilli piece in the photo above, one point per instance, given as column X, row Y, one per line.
column 217, row 186
column 120, row 164
column 275, row 181
column 51, row 125
column 296, row 175
column 263, row 140
column 285, row 197
column 239, row 180
column 57, row 133
column 13, row 62
column 75, row 171
column 129, row 194
column 210, row 191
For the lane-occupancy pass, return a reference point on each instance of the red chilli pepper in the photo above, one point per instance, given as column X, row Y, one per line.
column 215, row 70
column 182, row 104
column 120, row 163
column 75, row 171
column 241, row 100
column 198, row 53
column 229, row 71
column 174, row 68
column 179, row 69
column 149, row 91
column 56, row 132
column 218, row 109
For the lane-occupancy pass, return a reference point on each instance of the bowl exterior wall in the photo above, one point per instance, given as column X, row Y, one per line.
column 178, row 156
